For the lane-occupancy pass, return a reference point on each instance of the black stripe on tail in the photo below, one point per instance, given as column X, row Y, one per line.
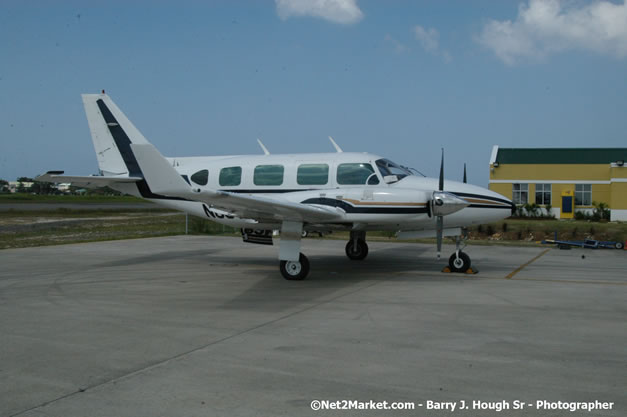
column 123, row 143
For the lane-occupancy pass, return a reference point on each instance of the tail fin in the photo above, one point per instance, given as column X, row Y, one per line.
column 112, row 134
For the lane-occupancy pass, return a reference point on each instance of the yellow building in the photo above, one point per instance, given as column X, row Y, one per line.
column 567, row 179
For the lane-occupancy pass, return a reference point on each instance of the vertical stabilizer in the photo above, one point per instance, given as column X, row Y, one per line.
column 112, row 133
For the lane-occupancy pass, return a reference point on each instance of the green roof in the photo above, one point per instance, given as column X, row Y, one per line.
column 560, row 155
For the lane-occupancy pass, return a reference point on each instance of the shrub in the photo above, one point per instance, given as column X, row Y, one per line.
column 601, row 211
column 582, row 215
column 549, row 213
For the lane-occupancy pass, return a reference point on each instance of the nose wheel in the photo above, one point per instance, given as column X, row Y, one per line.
column 295, row 270
column 459, row 262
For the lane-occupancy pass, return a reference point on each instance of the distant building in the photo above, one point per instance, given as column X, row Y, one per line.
column 567, row 179
column 14, row 185
column 64, row 187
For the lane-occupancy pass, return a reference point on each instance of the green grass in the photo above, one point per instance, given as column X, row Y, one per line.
column 24, row 228
column 535, row 230
column 26, row 198
column 19, row 230
column 81, row 213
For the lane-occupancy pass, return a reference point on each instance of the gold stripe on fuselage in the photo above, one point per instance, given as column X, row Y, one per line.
column 382, row 203
column 479, row 201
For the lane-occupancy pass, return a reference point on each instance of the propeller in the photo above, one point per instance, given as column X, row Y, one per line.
column 440, row 219
column 444, row 203
column 465, row 178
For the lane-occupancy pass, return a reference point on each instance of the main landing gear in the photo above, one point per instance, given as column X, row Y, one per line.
column 357, row 248
column 295, row 270
column 294, row 266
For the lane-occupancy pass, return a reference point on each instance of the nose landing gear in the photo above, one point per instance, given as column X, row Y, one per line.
column 460, row 261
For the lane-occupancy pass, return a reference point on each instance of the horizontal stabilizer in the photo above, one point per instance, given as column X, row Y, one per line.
column 90, row 181
column 160, row 175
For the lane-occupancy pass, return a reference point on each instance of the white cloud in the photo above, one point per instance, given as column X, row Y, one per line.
column 399, row 47
column 547, row 26
column 428, row 38
column 430, row 41
column 337, row 11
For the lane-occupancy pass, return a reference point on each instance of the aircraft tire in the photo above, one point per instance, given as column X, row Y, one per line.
column 295, row 271
column 360, row 253
column 460, row 264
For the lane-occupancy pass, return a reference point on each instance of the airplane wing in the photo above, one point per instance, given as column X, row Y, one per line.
column 163, row 179
column 258, row 207
column 92, row 181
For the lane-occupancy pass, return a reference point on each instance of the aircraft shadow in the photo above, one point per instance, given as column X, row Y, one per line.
column 329, row 277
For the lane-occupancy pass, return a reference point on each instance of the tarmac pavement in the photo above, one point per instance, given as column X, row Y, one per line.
column 206, row 326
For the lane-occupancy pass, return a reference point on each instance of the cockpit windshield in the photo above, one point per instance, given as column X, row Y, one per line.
column 390, row 171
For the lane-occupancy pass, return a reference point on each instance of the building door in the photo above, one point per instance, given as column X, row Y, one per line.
column 568, row 208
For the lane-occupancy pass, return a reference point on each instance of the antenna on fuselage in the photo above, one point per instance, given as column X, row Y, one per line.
column 335, row 145
column 265, row 150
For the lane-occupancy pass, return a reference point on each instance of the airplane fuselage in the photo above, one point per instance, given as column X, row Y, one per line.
column 366, row 202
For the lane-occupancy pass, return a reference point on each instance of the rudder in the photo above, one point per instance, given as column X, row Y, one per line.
column 112, row 133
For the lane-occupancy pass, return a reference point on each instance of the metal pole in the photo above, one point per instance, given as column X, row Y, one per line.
column 186, row 222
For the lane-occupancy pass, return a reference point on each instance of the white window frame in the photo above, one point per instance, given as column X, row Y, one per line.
column 583, row 193
column 518, row 191
column 543, row 189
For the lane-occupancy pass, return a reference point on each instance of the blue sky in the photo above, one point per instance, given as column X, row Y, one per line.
column 400, row 79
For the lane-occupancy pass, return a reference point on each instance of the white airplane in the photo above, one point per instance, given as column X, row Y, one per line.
column 355, row 192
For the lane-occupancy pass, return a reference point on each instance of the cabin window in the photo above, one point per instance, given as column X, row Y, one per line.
column 356, row 174
column 312, row 174
column 583, row 194
column 390, row 171
column 268, row 175
column 201, row 177
column 230, row 176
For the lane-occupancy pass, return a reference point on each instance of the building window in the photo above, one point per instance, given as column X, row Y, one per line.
column 201, row 177
column 268, row 175
column 312, row 174
column 543, row 194
column 520, row 193
column 583, row 194
column 356, row 174
column 230, row 176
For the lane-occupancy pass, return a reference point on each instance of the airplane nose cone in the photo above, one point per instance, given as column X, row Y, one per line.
column 447, row 203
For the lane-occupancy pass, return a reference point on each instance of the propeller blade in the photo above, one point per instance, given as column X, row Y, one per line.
column 442, row 172
column 465, row 178
column 439, row 231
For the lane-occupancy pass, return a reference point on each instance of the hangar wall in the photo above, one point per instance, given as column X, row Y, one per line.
column 587, row 174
